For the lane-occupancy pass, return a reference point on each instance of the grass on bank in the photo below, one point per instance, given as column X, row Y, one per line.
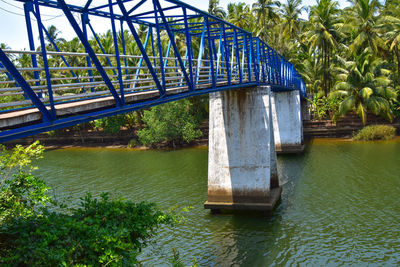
column 375, row 132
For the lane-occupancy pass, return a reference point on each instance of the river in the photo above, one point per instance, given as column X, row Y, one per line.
column 340, row 203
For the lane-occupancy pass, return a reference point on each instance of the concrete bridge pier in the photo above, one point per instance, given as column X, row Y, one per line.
column 242, row 171
column 287, row 121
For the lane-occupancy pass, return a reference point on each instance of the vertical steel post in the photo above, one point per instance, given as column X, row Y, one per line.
column 85, row 21
column 117, row 58
column 200, row 52
column 160, row 52
column 254, row 57
column 259, row 64
column 233, row 52
column 189, row 48
column 238, row 58
column 271, row 66
column 219, row 52
column 153, row 49
column 184, row 63
column 261, row 52
column 167, row 54
column 45, row 62
column 226, row 55
column 124, row 48
column 28, row 7
column 267, row 63
column 243, row 56
column 139, row 65
column 210, row 49
column 248, row 55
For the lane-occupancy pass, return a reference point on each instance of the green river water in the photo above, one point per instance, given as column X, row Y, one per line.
column 340, row 204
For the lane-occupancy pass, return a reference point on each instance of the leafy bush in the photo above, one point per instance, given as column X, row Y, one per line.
column 37, row 231
column 111, row 125
column 21, row 193
column 325, row 107
column 376, row 132
column 99, row 232
column 171, row 122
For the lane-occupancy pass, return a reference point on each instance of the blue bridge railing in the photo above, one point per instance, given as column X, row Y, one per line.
column 155, row 51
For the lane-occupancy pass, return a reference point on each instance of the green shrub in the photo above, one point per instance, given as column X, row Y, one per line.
column 376, row 132
column 98, row 232
column 37, row 231
column 172, row 122
column 111, row 125
column 21, row 193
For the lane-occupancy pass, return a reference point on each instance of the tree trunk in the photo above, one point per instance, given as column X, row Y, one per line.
column 324, row 82
column 396, row 51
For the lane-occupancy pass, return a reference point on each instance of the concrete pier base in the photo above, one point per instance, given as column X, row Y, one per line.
column 287, row 121
column 242, row 171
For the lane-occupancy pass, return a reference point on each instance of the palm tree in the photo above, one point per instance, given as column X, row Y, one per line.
column 291, row 10
column 266, row 13
column 54, row 33
column 361, row 21
column 365, row 87
column 239, row 14
column 216, row 10
column 309, row 69
column 323, row 35
column 389, row 23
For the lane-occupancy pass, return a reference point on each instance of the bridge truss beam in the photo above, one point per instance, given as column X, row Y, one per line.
column 205, row 54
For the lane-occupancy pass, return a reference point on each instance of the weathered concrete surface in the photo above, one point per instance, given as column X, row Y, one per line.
column 287, row 121
column 242, row 159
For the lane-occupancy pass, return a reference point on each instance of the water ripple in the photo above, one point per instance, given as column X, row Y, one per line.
column 340, row 204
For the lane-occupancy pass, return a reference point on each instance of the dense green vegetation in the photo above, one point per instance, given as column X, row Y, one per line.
column 170, row 122
column 376, row 132
column 349, row 59
column 36, row 230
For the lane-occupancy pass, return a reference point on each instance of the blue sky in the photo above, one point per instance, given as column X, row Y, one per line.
column 13, row 31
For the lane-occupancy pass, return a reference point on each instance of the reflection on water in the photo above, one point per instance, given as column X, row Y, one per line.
column 340, row 203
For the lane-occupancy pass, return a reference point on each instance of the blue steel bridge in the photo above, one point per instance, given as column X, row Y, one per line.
column 182, row 52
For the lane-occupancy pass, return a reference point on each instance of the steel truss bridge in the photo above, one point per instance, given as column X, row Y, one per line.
column 181, row 51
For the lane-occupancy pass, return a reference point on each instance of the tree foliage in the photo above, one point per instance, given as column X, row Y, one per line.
column 173, row 122
column 38, row 231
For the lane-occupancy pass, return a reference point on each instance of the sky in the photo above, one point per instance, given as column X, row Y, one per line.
column 13, row 29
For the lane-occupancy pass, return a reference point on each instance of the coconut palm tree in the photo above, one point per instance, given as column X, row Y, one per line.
column 267, row 15
column 54, row 35
column 215, row 9
column 291, row 11
column 365, row 87
column 361, row 23
column 239, row 14
column 389, row 24
column 323, row 35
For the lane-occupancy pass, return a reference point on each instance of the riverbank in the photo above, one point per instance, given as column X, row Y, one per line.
column 90, row 138
column 344, row 128
column 127, row 138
